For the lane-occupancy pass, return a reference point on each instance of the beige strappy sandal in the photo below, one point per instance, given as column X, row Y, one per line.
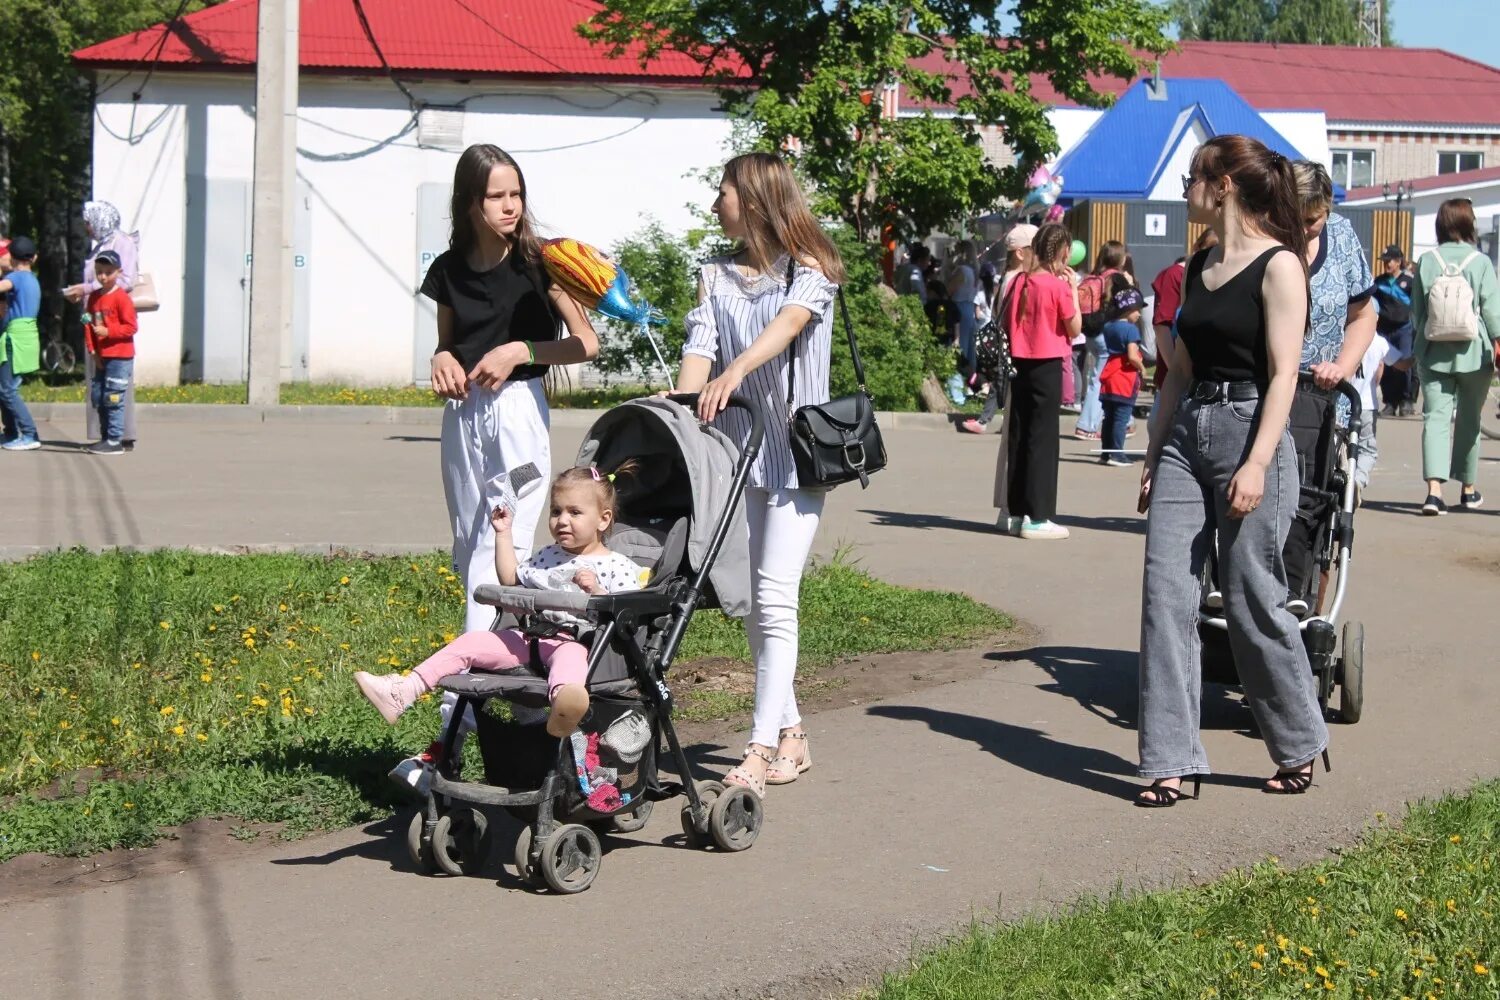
column 740, row 775
column 784, row 768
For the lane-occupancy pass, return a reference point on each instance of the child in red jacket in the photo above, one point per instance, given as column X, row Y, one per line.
column 109, row 327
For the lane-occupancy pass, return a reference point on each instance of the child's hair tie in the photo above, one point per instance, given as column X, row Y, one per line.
column 598, row 476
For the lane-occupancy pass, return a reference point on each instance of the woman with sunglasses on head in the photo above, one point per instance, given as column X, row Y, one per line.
column 1221, row 463
column 763, row 328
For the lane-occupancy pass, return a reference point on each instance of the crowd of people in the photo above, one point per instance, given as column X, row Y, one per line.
column 1277, row 286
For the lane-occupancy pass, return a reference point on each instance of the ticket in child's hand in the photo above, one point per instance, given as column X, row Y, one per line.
column 509, row 488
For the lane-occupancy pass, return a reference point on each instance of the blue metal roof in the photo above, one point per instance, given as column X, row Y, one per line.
column 1123, row 154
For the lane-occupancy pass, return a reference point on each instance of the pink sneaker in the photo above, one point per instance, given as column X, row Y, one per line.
column 391, row 694
column 971, row 426
column 1086, row 435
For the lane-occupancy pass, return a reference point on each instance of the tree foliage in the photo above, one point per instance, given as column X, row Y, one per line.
column 810, row 78
column 46, row 107
column 1312, row 22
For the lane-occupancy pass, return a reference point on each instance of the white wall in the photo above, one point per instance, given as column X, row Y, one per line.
column 1179, row 164
column 597, row 164
column 1071, row 124
column 1486, row 199
column 1307, row 131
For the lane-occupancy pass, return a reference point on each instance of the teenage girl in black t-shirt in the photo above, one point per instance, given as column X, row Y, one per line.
column 1222, row 465
column 497, row 319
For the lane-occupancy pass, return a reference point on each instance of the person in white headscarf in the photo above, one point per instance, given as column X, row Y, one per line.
column 103, row 222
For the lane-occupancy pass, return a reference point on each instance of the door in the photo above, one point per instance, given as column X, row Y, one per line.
column 432, row 239
column 225, row 316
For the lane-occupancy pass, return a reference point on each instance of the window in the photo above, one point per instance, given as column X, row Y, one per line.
column 1353, row 168
column 1453, row 163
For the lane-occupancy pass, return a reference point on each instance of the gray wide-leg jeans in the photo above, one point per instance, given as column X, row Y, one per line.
column 1189, row 500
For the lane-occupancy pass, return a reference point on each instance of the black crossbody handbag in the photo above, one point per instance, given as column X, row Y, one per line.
column 838, row 441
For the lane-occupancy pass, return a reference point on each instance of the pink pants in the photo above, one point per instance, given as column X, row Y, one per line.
column 567, row 661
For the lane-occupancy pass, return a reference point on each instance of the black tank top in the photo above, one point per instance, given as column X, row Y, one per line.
column 1225, row 329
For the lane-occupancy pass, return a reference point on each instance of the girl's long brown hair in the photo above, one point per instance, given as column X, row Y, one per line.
column 776, row 217
column 471, row 182
column 1265, row 186
column 1048, row 253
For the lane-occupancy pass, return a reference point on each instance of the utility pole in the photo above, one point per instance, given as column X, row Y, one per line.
column 276, row 65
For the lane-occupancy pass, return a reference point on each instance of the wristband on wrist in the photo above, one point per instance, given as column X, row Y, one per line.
column 530, row 352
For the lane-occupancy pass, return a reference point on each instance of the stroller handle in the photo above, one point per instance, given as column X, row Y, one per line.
column 1344, row 388
column 757, row 419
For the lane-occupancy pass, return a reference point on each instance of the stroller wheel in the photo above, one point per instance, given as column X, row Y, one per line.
column 461, row 842
column 522, row 858
column 570, row 859
column 734, row 821
column 708, row 793
column 418, row 847
column 627, row 822
column 1352, row 675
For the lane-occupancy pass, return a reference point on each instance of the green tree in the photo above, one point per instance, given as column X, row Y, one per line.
column 46, row 109
column 1312, row 22
column 817, row 72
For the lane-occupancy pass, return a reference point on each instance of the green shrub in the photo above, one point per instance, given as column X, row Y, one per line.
column 894, row 340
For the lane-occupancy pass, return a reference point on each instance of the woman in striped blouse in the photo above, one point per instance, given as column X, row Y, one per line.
column 772, row 297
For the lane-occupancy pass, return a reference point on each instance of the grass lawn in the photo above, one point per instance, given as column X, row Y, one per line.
column 72, row 390
column 141, row 690
column 1410, row 912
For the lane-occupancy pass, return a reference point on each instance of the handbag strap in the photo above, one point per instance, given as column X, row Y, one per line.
column 791, row 350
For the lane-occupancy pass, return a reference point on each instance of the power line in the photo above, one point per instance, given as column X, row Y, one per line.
column 161, row 44
column 364, row 22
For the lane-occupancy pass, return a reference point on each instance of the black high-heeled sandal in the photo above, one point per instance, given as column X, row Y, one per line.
column 1295, row 782
column 1163, row 796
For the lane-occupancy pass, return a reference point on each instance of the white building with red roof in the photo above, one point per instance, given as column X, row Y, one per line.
column 604, row 145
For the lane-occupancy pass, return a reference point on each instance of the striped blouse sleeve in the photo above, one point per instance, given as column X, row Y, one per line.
column 812, row 291
column 702, row 326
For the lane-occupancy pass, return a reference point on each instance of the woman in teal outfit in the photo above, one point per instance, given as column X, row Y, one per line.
column 1455, row 374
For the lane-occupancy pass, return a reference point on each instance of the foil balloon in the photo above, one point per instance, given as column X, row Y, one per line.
column 1077, row 253
column 1055, row 213
column 583, row 271
column 619, row 303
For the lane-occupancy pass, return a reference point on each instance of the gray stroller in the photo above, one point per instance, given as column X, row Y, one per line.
column 681, row 517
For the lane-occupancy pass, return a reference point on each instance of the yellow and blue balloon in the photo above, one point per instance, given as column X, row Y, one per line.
column 590, row 277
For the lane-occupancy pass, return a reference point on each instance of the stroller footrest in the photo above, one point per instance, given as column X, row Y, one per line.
column 521, row 688
column 490, row 795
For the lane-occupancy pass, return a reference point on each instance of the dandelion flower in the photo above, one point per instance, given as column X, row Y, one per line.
column 165, row 625
column 65, row 724
column 1260, row 951
column 1452, row 906
column 1320, row 971
column 1480, row 969
column 115, row 721
column 206, row 677
column 178, row 730
column 219, row 608
column 129, row 805
column 167, row 710
column 201, row 737
column 1400, row 914
column 343, row 581
column 1254, row 965
column 1306, row 950
column 35, row 655
column 1455, row 839
column 307, row 711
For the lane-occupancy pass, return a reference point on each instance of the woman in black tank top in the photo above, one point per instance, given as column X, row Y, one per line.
column 1221, row 474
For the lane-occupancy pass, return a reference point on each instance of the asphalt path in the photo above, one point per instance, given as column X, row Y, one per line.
column 996, row 795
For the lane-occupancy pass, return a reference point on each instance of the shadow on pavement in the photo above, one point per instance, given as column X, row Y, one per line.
column 1394, row 506
column 1103, row 683
column 907, row 519
column 1131, row 525
column 1029, row 749
column 417, row 438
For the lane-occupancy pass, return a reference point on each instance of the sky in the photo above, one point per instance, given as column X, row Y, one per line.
column 1468, row 27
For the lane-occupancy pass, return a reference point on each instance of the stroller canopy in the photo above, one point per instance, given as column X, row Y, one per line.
column 686, row 470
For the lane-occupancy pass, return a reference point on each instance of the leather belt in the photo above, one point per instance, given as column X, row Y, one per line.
column 1203, row 391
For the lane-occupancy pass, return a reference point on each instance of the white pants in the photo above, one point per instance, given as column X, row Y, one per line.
column 489, row 432
column 782, row 524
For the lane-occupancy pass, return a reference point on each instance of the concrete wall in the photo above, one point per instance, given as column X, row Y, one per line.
column 597, row 165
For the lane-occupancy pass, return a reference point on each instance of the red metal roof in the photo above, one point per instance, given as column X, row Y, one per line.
column 1348, row 84
column 481, row 37
column 1436, row 182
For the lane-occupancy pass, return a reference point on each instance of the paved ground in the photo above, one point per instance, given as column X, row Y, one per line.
column 997, row 794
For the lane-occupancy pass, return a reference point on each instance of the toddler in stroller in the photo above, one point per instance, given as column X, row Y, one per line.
column 583, row 509
column 681, row 522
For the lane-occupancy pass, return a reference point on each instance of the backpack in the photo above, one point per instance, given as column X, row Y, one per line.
column 1451, row 315
column 1093, row 301
column 992, row 358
